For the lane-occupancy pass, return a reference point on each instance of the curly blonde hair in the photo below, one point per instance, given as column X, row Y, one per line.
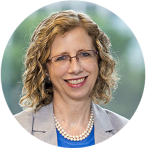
column 38, row 90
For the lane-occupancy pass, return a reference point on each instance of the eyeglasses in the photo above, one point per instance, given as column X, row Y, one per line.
column 86, row 56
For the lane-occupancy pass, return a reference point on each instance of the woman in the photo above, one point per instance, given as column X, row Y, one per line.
column 69, row 72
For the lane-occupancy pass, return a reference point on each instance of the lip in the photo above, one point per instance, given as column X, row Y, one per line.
column 76, row 85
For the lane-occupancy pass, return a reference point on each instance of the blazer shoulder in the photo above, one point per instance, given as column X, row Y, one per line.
column 25, row 119
column 117, row 120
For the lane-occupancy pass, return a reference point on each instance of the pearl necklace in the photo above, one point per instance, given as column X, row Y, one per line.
column 82, row 136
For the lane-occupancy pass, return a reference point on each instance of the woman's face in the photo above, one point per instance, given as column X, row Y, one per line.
column 74, row 80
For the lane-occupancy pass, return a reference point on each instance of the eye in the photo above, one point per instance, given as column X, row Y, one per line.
column 85, row 54
column 61, row 58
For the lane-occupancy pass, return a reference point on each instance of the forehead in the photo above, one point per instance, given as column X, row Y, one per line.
column 72, row 41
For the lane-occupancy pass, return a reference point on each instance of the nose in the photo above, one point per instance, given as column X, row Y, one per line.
column 75, row 67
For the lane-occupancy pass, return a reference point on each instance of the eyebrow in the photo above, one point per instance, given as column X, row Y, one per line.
column 62, row 53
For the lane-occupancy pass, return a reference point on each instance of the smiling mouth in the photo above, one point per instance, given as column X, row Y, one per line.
column 78, row 81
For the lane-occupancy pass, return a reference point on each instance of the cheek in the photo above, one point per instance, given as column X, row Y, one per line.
column 55, row 74
column 92, row 69
column 95, row 72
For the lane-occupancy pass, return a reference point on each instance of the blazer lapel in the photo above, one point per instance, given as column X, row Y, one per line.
column 102, row 125
column 44, row 126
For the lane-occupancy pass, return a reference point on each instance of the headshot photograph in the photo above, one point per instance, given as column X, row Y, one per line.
column 72, row 74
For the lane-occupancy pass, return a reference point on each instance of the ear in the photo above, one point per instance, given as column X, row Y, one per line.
column 46, row 72
column 47, row 78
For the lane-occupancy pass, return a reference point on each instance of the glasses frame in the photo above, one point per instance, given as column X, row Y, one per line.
column 96, row 53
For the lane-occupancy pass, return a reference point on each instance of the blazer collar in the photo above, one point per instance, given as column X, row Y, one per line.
column 45, row 127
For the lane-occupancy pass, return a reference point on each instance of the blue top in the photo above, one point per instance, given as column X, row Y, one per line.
column 63, row 142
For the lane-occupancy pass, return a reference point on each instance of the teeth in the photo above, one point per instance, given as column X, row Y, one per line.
column 76, row 81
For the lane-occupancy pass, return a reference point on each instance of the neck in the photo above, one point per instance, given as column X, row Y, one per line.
column 72, row 113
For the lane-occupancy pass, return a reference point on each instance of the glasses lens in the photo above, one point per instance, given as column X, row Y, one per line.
column 60, row 60
column 86, row 56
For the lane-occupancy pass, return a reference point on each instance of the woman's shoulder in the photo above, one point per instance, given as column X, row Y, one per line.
column 116, row 120
column 23, row 115
column 25, row 119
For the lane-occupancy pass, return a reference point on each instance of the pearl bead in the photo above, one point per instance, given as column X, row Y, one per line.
column 74, row 139
column 60, row 132
column 65, row 136
column 89, row 131
column 60, row 127
column 83, row 134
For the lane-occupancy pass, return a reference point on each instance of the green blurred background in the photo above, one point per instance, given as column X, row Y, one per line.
column 125, row 49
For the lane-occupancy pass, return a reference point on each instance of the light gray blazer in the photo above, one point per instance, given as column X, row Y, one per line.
column 41, row 124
